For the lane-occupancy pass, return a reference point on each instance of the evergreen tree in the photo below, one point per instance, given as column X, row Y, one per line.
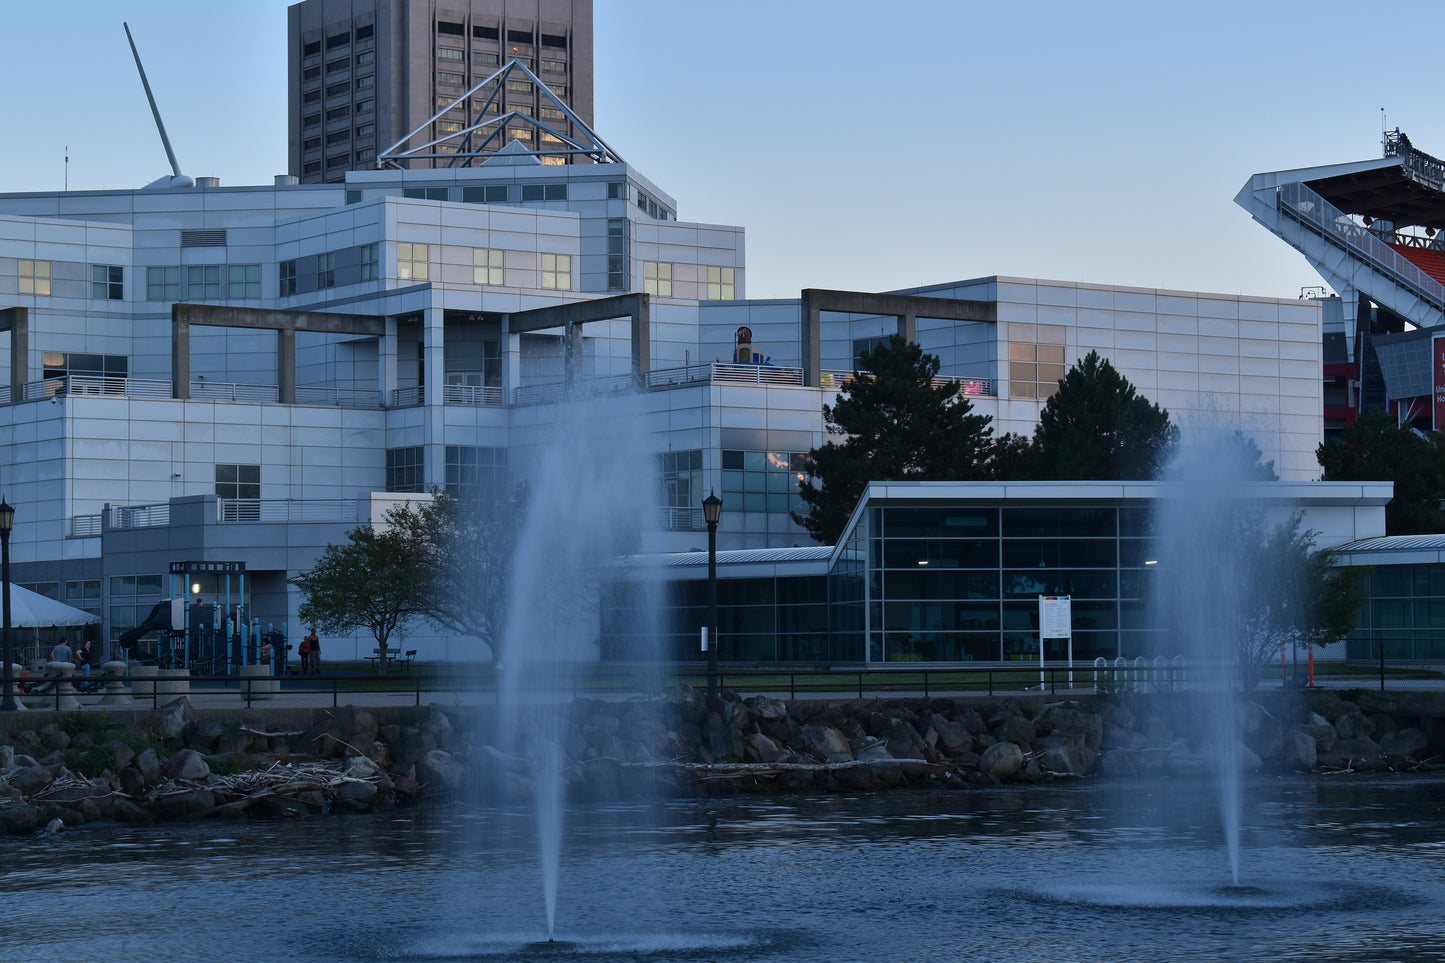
column 1096, row 426
column 899, row 426
column 1376, row 448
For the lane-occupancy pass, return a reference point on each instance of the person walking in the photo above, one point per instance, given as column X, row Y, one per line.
column 61, row 652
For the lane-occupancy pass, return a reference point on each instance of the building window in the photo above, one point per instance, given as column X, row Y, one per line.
column 365, row 106
column 365, row 57
column 451, row 53
column 339, row 137
column 486, row 33
column 339, row 40
column 243, row 281
column 554, row 67
column 369, row 262
column 550, row 138
column 107, row 282
column 238, row 481
column 405, row 469
column 554, row 40
column 473, row 473
column 336, row 90
column 617, row 254
column 557, row 272
column 485, row 59
column 364, row 33
column 336, row 66
column 203, row 282
column 491, row 194
column 411, row 261
column 447, row 77
column 61, row 364
column 616, row 190
column 35, row 277
column 365, row 82
column 288, row 279
column 657, row 278
column 721, row 284
column 544, row 192
column 311, row 97
column 520, row 86
column 365, row 154
column 311, row 120
column 365, row 130
column 311, row 49
column 450, row 28
column 163, row 284
column 1035, row 359
column 763, row 481
column 682, row 486
column 312, row 167
column 338, row 113
column 425, row 193
column 487, row 266
column 448, row 127
column 326, row 271
column 559, row 89
column 311, row 143
column 550, row 113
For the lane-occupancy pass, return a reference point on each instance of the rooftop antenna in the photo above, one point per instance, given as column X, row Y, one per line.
column 177, row 179
column 67, row 167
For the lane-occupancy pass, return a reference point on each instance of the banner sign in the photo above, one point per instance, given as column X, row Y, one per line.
column 1437, row 368
column 1055, row 619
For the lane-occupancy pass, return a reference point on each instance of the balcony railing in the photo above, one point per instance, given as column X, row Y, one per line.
column 287, row 510
column 140, row 516
column 338, row 397
column 221, row 391
column 83, row 526
column 682, row 520
column 560, row 391
column 482, row 397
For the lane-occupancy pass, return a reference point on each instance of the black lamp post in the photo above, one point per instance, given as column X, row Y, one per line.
column 711, row 512
column 7, row 522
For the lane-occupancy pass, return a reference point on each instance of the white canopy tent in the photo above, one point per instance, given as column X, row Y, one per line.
column 32, row 610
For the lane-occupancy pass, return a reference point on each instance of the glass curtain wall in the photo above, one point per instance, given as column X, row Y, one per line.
column 960, row 582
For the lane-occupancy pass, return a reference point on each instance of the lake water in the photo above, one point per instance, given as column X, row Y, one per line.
column 1338, row 868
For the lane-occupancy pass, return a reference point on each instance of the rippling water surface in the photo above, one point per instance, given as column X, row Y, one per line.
column 1343, row 869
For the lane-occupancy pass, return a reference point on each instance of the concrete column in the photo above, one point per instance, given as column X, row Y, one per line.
column 641, row 336
column 65, row 699
column 286, row 366
column 180, row 354
column 908, row 327
column 17, row 322
column 434, row 357
column 573, row 348
column 143, row 682
column 511, row 362
column 258, row 682
column 812, row 354
column 172, row 684
column 386, row 361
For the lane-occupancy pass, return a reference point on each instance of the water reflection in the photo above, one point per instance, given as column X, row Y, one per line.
column 1340, row 869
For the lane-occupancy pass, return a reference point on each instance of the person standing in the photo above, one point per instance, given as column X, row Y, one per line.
column 61, row 652
column 315, row 641
column 305, row 652
column 84, row 657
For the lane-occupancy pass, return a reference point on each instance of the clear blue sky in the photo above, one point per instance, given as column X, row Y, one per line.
column 863, row 145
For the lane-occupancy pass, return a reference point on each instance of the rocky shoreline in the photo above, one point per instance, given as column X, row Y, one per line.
column 179, row 763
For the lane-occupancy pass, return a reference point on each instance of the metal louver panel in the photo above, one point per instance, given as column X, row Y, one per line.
column 203, row 238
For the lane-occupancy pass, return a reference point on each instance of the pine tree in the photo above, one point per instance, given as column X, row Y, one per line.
column 899, row 426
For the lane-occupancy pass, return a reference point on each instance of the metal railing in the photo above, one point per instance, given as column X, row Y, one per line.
column 87, row 386
column 968, row 387
column 287, row 510
column 1309, row 208
column 221, row 391
column 485, row 396
column 561, row 391
column 140, row 516
column 83, row 526
column 338, row 397
column 408, row 397
column 682, row 519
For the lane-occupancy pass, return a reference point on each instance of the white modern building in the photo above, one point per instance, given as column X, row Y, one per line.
column 205, row 374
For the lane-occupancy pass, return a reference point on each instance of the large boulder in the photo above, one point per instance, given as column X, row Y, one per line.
column 826, row 743
column 1071, row 717
column 1299, row 751
column 188, row 765
column 1353, row 725
column 1014, row 728
column 439, row 771
column 170, row 720
column 148, row 764
column 1067, row 753
column 953, row 738
column 32, row 779
column 20, row 817
column 760, row 748
column 904, row 742
column 1405, row 742
column 1001, row 760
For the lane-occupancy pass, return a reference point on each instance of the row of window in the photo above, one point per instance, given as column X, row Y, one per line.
column 203, row 282
column 721, row 284
column 469, row 472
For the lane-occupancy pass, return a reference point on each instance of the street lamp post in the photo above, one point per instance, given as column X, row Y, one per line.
column 7, row 522
column 711, row 512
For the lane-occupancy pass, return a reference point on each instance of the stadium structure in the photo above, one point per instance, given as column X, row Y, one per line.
column 1371, row 229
